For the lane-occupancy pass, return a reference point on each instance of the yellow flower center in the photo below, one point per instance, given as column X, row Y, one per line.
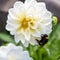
column 24, row 22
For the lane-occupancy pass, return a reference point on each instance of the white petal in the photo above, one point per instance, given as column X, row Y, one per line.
column 42, row 29
column 41, row 4
column 46, row 28
column 12, row 21
column 19, row 37
column 3, row 49
column 29, row 2
column 26, row 43
column 41, row 7
column 9, row 17
column 33, row 41
column 48, row 14
column 27, row 34
column 12, row 32
column 35, row 33
column 21, row 9
column 12, row 13
column 17, row 11
column 18, row 4
column 1, row 58
column 11, row 27
column 26, row 54
column 35, row 25
column 46, row 20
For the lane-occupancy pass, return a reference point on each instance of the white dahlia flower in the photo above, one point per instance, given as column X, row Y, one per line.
column 28, row 20
column 12, row 52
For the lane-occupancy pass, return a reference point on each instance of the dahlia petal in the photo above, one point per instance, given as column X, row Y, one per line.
column 33, row 41
column 27, row 35
column 35, row 33
column 19, row 37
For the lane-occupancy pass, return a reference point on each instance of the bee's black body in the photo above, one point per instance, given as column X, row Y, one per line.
column 44, row 40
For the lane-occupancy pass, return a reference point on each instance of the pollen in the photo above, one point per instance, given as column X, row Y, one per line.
column 24, row 23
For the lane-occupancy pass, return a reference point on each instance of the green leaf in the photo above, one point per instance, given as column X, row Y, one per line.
column 6, row 37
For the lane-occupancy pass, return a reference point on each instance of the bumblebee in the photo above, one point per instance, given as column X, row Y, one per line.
column 43, row 41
